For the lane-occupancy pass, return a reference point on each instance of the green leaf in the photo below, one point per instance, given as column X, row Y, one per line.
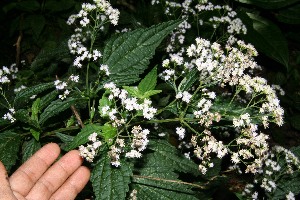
column 158, row 173
column 103, row 102
column 132, row 90
column 50, row 55
column 48, row 98
column 149, row 82
column 127, row 55
column 82, row 136
column 9, row 148
column 58, row 106
column 23, row 96
column 23, row 116
column 174, row 160
column 188, row 81
column 35, row 134
column 35, row 109
column 290, row 15
column 110, row 182
column 29, row 148
column 65, row 138
column 150, row 93
column 269, row 4
column 266, row 37
column 37, row 23
column 158, row 188
column 108, row 132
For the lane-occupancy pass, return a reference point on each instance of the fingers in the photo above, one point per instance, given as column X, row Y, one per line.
column 29, row 173
column 73, row 185
column 5, row 191
column 56, row 175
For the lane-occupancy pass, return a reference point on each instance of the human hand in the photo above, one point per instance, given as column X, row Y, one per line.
column 38, row 179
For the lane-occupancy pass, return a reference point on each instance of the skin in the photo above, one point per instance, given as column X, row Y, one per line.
column 41, row 178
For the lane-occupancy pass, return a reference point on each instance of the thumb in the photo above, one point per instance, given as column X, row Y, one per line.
column 5, row 190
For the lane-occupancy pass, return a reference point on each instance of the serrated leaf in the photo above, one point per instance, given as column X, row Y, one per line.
column 173, row 159
column 150, row 93
column 35, row 108
column 48, row 98
column 23, row 116
column 9, row 148
column 29, row 148
column 149, row 82
column 127, row 55
column 269, row 4
column 157, row 188
column 110, row 182
column 82, row 136
column 50, row 55
column 188, row 81
column 132, row 90
column 58, row 106
column 266, row 37
column 64, row 138
column 24, row 95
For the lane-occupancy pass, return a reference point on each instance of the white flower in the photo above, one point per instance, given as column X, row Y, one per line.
column 290, row 196
column 180, row 131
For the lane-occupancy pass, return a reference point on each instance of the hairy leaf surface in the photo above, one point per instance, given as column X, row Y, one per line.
column 128, row 54
column 29, row 148
column 110, row 182
column 9, row 148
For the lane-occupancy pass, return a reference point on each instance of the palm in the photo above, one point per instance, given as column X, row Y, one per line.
column 39, row 179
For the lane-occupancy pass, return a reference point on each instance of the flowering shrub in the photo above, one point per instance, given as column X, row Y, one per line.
column 199, row 109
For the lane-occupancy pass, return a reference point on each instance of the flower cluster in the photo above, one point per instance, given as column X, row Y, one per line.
column 139, row 142
column 92, row 18
column 7, row 74
column 279, row 162
column 9, row 115
column 129, row 103
column 90, row 151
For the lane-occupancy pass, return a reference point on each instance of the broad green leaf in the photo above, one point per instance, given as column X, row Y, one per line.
column 23, row 96
column 48, row 98
column 174, row 160
column 290, row 15
column 163, row 189
column 266, row 37
column 23, row 116
column 82, row 136
column 132, row 90
column 108, row 132
column 35, row 134
column 50, row 55
column 9, row 148
column 38, row 23
column 29, row 148
column 110, row 182
column 150, row 93
column 64, row 138
column 187, row 82
column 269, row 4
column 58, row 106
column 287, row 184
column 35, row 109
column 149, row 82
column 127, row 55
